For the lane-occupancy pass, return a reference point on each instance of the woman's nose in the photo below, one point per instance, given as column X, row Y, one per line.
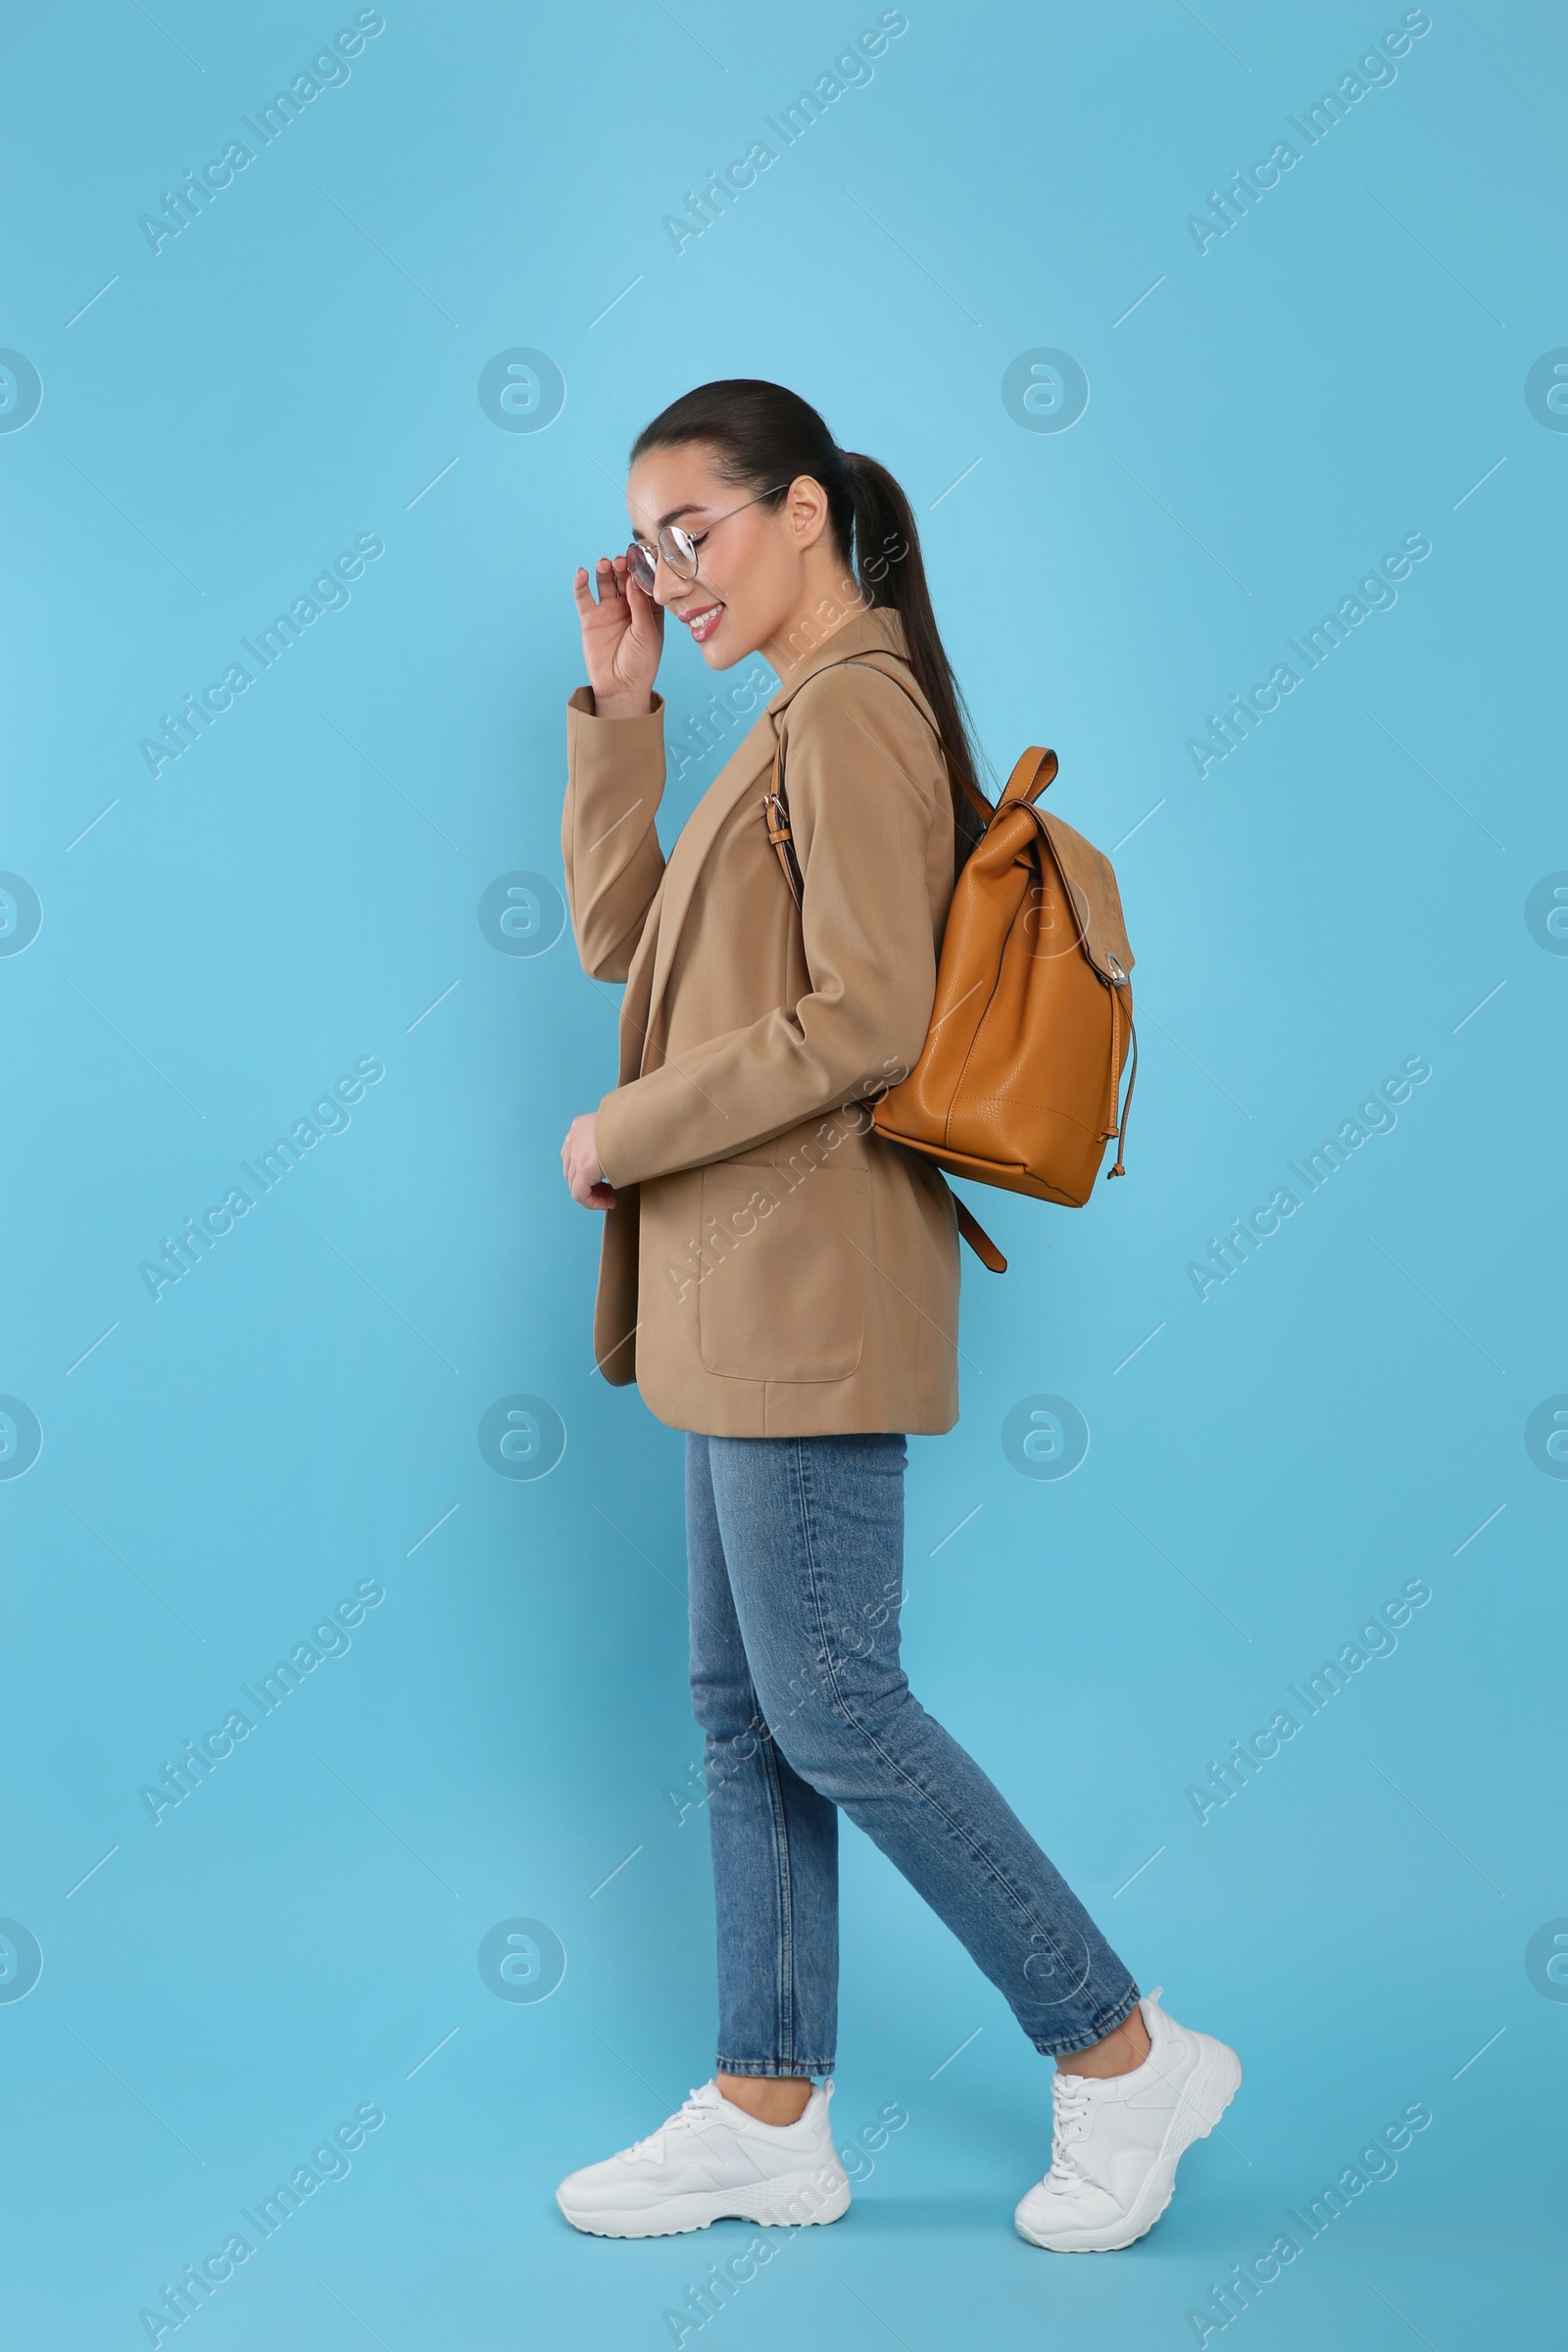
column 668, row 584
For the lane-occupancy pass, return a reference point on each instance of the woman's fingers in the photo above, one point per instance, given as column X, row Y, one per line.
column 644, row 607
column 646, row 618
column 607, row 579
column 579, row 1165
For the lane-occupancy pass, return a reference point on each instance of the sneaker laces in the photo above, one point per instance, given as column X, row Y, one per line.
column 1071, row 2097
column 694, row 2114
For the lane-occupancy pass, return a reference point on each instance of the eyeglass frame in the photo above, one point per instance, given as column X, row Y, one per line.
column 639, row 551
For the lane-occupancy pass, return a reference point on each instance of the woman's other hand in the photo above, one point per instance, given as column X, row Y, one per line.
column 622, row 638
column 579, row 1163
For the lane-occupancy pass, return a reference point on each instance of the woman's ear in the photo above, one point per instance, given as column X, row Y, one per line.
column 806, row 510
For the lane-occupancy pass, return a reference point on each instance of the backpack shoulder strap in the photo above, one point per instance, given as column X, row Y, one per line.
column 776, row 809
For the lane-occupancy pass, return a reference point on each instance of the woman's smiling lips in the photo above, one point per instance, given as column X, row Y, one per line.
column 702, row 622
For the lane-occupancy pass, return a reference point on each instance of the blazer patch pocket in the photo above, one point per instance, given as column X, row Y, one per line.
column 784, row 1295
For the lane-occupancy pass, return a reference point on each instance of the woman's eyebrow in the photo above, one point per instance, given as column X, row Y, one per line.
column 692, row 506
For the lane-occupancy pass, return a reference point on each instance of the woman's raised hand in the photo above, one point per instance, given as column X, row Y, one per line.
column 622, row 638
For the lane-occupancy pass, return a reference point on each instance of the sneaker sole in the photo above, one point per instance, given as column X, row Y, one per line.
column 1215, row 2084
column 796, row 2200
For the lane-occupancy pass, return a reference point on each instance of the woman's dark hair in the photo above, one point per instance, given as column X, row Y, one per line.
column 763, row 437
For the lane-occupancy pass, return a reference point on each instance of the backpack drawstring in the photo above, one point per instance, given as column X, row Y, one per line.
column 1119, row 981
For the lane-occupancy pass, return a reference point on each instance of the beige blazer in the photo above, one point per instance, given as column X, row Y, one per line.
column 772, row 1268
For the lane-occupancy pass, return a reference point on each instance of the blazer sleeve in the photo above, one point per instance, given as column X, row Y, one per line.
column 865, row 786
column 608, row 844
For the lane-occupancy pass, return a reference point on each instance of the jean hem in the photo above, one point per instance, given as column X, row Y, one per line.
column 783, row 2067
column 1114, row 2017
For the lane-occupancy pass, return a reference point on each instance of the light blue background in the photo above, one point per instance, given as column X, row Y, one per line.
column 299, row 889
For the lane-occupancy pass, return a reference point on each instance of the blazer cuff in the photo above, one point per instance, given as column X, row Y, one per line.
column 614, row 1143
column 580, row 704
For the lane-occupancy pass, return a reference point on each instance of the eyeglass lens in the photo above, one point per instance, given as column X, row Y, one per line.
column 674, row 545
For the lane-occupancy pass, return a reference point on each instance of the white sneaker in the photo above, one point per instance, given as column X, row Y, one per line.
column 1115, row 2144
column 708, row 2162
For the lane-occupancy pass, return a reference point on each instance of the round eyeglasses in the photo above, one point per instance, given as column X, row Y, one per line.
column 678, row 548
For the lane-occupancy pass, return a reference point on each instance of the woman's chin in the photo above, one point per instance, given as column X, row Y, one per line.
column 726, row 646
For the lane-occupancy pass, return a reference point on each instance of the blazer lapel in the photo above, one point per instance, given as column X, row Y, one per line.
column 877, row 630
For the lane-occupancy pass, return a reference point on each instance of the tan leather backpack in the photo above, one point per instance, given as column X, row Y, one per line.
column 1018, row 1080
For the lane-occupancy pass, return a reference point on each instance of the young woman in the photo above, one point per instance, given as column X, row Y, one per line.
column 783, row 1286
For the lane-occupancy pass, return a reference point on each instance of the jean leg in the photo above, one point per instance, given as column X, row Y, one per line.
column 774, row 1839
column 812, row 1532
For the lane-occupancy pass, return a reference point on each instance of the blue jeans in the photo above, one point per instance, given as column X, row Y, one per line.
column 796, row 1552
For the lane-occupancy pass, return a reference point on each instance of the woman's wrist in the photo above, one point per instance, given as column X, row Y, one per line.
column 622, row 705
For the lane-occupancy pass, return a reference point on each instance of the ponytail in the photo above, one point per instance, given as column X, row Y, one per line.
column 761, row 436
column 891, row 571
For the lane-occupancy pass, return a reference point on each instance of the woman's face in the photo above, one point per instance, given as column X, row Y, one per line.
column 755, row 568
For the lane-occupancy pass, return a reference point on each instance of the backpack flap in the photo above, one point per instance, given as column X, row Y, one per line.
column 1092, row 886
column 1089, row 877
